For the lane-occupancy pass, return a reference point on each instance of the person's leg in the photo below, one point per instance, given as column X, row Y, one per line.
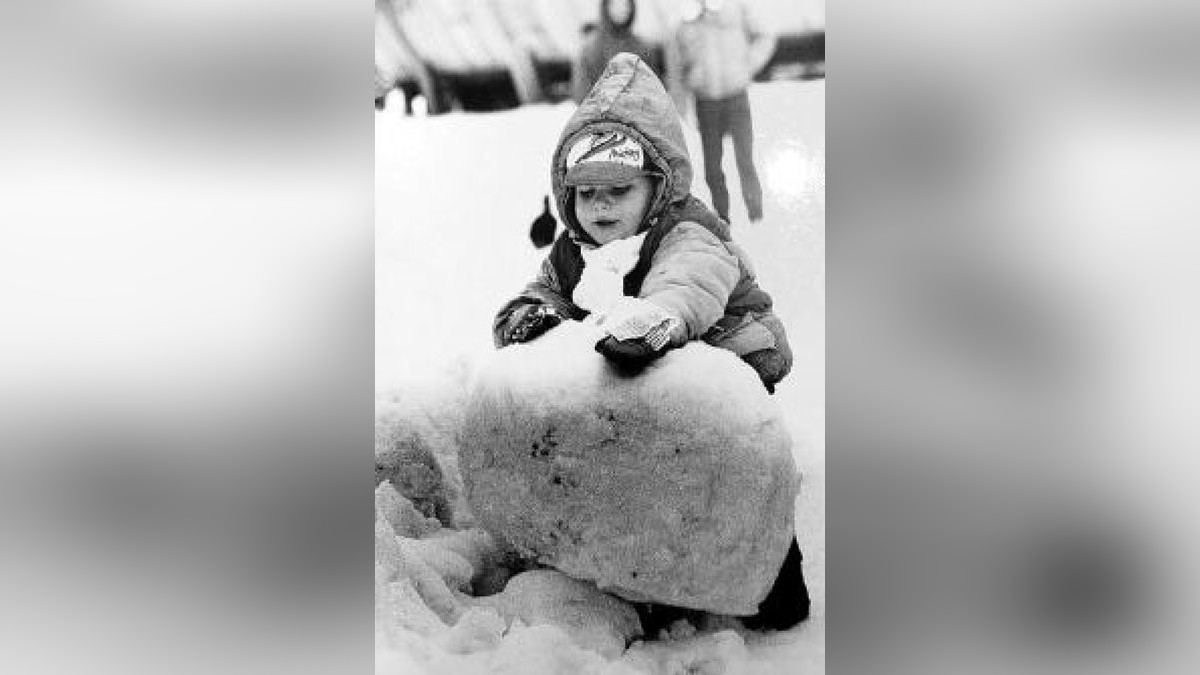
column 788, row 603
column 709, row 117
column 743, row 149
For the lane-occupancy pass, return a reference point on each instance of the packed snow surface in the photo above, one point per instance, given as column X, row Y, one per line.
column 455, row 196
column 676, row 485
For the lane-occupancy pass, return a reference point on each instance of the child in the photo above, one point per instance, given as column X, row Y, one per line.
column 646, row 261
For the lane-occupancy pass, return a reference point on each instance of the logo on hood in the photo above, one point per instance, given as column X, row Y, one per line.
column 611, row 147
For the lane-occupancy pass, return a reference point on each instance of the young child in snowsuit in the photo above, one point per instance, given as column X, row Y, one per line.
column 649, row 263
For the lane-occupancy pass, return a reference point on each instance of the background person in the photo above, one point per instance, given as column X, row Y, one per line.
column 712, row 55
column 613, row 35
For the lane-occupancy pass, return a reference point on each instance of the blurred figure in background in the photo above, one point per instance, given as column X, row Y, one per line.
column 613, row 35
column 712, row 55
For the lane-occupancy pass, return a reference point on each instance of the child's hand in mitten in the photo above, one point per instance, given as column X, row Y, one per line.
column 770, row 365
column 529, row 322
column 630, row 356
column 639, row 332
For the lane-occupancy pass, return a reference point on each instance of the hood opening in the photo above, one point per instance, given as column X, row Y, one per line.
column 662, row 181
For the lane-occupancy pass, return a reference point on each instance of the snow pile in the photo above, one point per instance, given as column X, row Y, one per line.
column 592, row 619
column 443, row 599
column 449, row 598
column 676, row 486
column 415, row 437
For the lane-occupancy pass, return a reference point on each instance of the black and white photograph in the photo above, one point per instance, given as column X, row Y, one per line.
column 572, row 281
column 599, row 336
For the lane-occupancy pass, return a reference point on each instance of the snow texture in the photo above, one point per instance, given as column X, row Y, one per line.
column 676, row 486
column 425, row 603
column 416, row 447
column 591, row 618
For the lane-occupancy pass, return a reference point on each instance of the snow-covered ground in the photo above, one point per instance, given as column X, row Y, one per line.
column 454, row 197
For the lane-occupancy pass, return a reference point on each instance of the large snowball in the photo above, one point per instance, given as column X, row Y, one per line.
column 675, row 486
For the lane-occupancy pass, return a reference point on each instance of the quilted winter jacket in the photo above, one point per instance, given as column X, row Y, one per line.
column 688, row 263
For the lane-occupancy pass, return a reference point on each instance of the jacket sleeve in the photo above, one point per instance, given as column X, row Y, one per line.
column 692, row 276
column 543, row 290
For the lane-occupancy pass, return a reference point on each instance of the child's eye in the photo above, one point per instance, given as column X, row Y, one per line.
column 587, row 193
column 619, row 190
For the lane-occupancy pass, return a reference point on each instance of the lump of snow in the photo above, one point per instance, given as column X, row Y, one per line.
column 547, row 650
column 399, row 607
column 407, row 464
column 401, row 559
column 400, row 513
column 675, row 486
column 416, row 446
column 479, row 629
column 492, row 566
column 592, row 619
column 723, row 652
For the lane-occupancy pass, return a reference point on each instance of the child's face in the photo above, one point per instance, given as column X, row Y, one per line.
column 612, row 212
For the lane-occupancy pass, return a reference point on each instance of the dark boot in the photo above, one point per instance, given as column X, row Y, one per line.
column 787, row 604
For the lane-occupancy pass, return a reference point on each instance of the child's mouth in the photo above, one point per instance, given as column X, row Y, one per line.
column 605, row 223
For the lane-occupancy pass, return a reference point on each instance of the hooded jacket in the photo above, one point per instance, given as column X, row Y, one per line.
column 607, row 41
column 688, row 263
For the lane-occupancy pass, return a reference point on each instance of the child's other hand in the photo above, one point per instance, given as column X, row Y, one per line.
column 529, row 322
column 770, row 365
column 629, row 356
